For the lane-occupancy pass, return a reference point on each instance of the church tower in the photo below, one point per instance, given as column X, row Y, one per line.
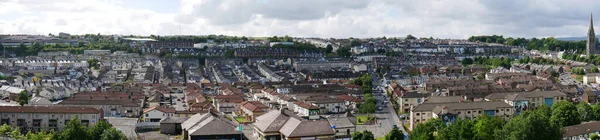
column 591, row 39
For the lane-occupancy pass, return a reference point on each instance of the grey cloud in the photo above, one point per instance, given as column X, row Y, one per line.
column 236, row 12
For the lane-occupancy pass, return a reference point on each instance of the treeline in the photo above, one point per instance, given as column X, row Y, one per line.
column 486, row 61
column 550, row 43
column 24, row 50
column 201, row 39
column 74, row 130
column 593, row 59
column 300, row 47
column 539, row 60
column 543, row 123
column 280, row 39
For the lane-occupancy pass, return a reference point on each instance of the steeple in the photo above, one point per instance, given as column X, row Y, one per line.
column 591, row 39
column 591, row 29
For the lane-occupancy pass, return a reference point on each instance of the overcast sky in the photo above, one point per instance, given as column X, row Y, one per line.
column 305, row 18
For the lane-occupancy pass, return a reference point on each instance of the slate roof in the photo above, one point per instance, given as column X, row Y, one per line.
column 271, row 121
column 174, row 120
column 580, row 129
column 208, row 124
column 298, row 128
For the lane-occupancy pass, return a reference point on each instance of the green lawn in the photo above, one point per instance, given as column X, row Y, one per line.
column 241, row 119
column 381, row 138
column 363, row 119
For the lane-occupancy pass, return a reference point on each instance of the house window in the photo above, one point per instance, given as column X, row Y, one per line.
column 417, row 114
column 52, row 123
column 458, row 112
column 501, row 109
column 479, row 111
column 468, row 112
column 497, row 111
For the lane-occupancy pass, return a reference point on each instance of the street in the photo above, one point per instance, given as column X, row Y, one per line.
column 386, row 117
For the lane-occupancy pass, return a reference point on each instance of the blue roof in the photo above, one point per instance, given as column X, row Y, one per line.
column 579, row 89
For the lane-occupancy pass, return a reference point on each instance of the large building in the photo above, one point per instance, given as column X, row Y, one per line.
column 591, row 39
column 38, row 118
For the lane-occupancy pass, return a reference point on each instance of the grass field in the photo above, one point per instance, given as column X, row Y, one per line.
column 241, row 119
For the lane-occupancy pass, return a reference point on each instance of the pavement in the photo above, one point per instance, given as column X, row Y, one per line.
column 125, row 125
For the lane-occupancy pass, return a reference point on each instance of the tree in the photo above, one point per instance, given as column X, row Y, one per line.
column 586, row 111
column 594, row 137
column 23, row 98
column 93, row 63
column 485, row 127
column 594, row 69
column 529, row 125
column 112, row 134
column 357, row 135
column 424, row 131
column 466, row 61
column 565, row 114
column 459, row 129
column 394, row 134
column 365, row 135
column 489, row 40
column 16, row 134
column 5, row 129
column 41, row 135
column 410, row 37
column 596, row 110
column 329, row 48
column 95, row 131
column 74, row 130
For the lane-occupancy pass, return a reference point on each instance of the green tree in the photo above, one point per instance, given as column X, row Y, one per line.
column 565, row 114
column 95, row 131
column 486, row 126
column 41, row 135
column 594, row 137
column 357, row 135
column 466, row 61
column 93, row 63
column 596, row 111
column 5, row 129
column 594, row 69
column 74, row 130
column 329, row 48
column 425, row 131
column 112, row 134
column 586, row 111
column 459, row 129
column 23, row 98
column 394, row 134
column 529, row 125
column 343, row 52
column 367, row 135
column 16, row 134
column 489, row 40
column 410, row 37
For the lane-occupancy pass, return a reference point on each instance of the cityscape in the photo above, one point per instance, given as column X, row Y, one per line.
column 271, row 73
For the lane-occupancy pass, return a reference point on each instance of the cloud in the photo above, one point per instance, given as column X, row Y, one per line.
column 307, row 18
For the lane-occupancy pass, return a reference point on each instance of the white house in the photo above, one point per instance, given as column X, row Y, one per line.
column 157, row 113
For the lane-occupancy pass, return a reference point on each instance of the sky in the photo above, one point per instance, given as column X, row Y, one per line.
column 457, row 19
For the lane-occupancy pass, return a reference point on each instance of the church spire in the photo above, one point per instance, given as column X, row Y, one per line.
column 591, row 23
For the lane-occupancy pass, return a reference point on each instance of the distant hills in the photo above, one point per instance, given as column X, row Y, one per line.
column 574, row 38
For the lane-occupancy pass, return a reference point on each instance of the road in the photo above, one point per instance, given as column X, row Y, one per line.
column 386, row 117
column 566, row 79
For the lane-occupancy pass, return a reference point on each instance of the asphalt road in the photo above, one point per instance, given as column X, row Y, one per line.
column 386, row 117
